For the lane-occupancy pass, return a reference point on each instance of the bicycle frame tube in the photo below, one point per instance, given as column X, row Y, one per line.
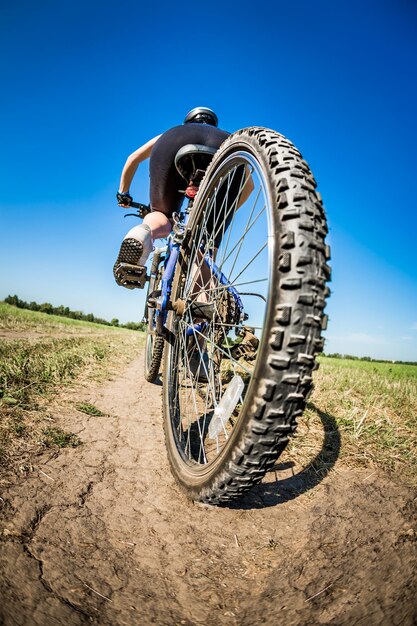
column 169, row 271
column 218, row 274
column 196, row 328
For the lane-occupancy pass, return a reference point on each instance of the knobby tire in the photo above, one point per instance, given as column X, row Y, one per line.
column 291, row 337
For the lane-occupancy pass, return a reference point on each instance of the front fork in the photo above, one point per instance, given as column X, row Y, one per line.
column 198, row 310
column 162, row 302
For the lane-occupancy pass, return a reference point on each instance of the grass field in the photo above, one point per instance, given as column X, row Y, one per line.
column 19, row 320
column 367, row 409
column 371, row 408
column 40, row 355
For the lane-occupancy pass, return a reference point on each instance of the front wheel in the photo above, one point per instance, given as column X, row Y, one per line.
column 252, row 288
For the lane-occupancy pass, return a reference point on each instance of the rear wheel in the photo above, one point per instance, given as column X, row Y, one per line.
column 154, row 350
column 238, row 368
column 154, row 346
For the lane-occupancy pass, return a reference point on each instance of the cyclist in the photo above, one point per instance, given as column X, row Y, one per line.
column 199, row 127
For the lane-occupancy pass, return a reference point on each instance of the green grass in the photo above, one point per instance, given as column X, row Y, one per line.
column 58, row 438
column 374, row 408
column 393, row 370
column 38, row 359
column 14, row 319
column 89, row 409
column 28, row 369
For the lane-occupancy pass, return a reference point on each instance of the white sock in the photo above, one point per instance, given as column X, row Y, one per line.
column 142, row 233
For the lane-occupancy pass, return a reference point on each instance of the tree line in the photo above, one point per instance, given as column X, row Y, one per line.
column 65, row 311
column 337, row 355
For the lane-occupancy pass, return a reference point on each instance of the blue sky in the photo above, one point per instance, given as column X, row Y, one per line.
column 86, row 83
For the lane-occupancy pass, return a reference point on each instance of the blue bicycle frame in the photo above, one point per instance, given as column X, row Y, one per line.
column 174, row 246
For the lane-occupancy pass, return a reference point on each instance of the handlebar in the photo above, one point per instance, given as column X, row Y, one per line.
column 143, row 210
column 138, row 205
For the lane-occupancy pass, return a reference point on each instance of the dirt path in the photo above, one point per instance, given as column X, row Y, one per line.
column 101, row 534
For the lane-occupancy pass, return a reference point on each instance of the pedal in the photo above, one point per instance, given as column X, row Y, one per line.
column 152, row 300
column 248, row 347
column 131, row 276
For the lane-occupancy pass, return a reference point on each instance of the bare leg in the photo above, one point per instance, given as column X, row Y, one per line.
column 201, row 280
column 159, row 224
column 156, row 225
column 136, row 248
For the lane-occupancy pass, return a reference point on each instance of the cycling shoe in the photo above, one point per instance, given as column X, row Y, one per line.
column 126, row 270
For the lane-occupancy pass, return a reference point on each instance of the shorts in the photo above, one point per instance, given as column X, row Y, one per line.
column 165, row 181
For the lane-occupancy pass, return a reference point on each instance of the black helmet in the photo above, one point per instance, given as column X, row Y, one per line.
column 201, row 115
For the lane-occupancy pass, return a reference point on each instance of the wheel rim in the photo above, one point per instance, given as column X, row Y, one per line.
column 241, row 243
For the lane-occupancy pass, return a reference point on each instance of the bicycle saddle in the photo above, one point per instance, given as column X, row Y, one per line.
column 193, row 157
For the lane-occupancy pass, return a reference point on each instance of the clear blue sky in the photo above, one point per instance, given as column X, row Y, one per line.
column 86, row 83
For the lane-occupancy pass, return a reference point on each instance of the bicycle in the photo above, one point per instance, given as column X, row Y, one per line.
column 249, row 248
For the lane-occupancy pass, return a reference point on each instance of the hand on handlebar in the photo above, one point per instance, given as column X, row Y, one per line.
column 124, row 199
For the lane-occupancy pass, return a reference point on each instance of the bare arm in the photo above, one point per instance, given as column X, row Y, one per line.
column 132, row 162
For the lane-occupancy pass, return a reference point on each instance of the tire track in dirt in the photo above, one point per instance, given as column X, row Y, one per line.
column 104, row 536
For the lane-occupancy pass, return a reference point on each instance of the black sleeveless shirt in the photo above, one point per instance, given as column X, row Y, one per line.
column 165, row 180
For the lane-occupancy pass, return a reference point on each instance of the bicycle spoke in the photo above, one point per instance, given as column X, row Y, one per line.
column 225, row 353
column 233, row 284
column 210, row 389
column 252, row 260
column 245, row 233
column 243, row 238
column 194, row 400
column 233, row 207
column 227, row 230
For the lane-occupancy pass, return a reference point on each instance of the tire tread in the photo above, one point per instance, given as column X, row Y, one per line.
column 295, row 333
